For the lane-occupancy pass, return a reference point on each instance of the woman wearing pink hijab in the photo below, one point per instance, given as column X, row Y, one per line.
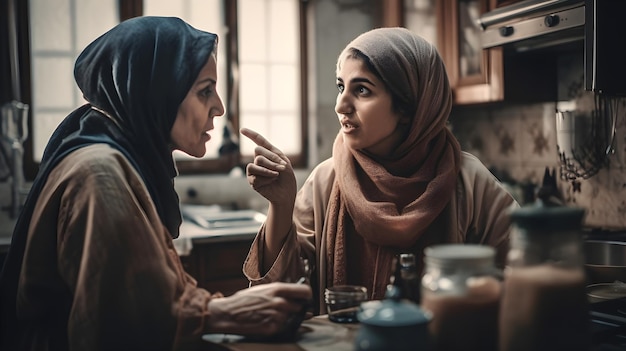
column 397, row 180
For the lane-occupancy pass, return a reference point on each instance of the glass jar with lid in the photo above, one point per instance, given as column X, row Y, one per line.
column 461, row 289
column 544, row 304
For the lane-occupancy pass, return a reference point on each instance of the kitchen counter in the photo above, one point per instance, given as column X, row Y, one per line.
column 214, row 243
column 315, row 334
column 211, row 225
column 320, row 334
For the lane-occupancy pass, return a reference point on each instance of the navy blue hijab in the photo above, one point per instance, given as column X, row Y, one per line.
column 134, row 78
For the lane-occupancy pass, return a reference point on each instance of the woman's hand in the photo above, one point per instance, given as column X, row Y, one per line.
column 259, row 311
column 270, row 174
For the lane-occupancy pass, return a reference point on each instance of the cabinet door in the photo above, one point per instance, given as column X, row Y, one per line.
column 218, row 266
column 476, row 75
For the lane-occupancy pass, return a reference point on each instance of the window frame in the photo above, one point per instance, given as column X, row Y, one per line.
column 221, row 165
column 224, row 164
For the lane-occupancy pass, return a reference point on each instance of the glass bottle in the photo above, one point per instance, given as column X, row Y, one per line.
column 406, row 277
column 544, row 305
column 461, row 289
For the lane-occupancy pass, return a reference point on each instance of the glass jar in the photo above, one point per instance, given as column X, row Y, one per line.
column 343, row 301
column 544, row 305
column 461, row 289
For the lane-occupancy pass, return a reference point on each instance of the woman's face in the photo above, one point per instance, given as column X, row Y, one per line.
column 194, row 119
column 364, row 108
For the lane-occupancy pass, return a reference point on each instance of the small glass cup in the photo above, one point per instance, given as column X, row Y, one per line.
column 343, row 301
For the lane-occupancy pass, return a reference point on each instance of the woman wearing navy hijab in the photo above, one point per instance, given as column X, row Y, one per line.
column 91, row 264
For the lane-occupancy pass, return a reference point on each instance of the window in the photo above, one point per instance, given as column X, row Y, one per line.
column 59, row 30
column 261, row 63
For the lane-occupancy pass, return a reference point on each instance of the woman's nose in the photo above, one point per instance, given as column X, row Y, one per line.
column 220, row 108
column 343, row 105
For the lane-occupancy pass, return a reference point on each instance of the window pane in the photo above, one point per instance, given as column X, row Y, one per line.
column 280, row 122
column 274, row 127
column 252, row 30
column 207, row 15
column 284, row 88
column 163, row 8
column 254, row 87
column 89, row 27
column 50, row 25
column 258, row 122
column 284, row 31
column 270, row 72
column 55, row 83
column 60, row 29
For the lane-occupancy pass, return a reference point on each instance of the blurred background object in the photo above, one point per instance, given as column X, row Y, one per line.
column 14, row 128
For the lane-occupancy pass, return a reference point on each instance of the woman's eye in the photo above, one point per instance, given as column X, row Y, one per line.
column 340, row 87
column 206, row 92
column 363, row 91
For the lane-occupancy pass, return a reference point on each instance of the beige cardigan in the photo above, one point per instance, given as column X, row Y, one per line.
column 477, row 213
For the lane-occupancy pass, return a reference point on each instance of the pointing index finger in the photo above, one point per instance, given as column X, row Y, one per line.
column 259, row 140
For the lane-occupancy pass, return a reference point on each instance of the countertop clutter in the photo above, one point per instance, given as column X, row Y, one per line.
column 320, row 334
column 212, row 236
column 212, row 224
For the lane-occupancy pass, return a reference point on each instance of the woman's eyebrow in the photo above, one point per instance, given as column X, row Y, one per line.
column 203, row 81
column 359, row 80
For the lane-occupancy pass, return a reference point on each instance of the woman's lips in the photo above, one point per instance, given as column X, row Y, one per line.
column 348, row 127
column 206, row 136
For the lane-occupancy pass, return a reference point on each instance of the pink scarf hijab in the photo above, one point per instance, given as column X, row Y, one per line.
column 371, row 204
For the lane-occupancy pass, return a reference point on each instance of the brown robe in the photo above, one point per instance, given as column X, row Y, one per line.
column 99, row 266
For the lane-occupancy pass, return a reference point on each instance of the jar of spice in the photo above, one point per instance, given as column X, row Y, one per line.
column 544, row 305
column 461, row 289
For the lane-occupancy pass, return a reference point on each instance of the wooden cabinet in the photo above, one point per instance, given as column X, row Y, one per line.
column 217, row 266
column 480, row 75
column 476, row 75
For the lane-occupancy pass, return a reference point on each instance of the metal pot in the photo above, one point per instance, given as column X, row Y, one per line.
column 606, row 291
column 605, row 261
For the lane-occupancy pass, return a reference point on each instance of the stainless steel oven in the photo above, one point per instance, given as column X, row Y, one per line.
column 596, row 27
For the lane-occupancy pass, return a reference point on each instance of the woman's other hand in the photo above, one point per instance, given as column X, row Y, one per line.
column 259, row 311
